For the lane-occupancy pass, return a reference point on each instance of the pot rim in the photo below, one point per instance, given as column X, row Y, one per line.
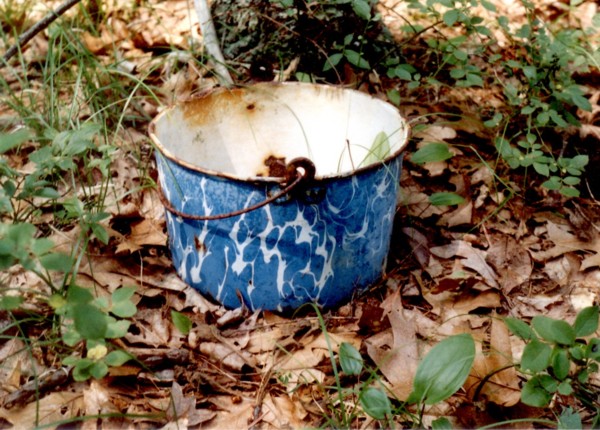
column 272, row 179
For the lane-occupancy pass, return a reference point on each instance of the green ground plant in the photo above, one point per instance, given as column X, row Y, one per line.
column 539, row 86
column 360, row 391
column 69, row 107
column 559, row 358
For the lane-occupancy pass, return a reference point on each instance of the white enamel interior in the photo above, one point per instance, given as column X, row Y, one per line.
column 232, row 132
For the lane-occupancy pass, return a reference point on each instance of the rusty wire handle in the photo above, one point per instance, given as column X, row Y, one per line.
column 299, row 169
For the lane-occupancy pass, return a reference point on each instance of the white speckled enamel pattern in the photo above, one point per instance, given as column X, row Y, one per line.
column 322, row 244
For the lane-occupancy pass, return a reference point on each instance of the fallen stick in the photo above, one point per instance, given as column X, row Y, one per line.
column 211, row 42
column 36, row 28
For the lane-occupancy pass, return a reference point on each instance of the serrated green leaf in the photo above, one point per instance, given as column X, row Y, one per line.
column 443, row 370
column 556, row 331
column 445, row 199
column 536, row 356
column 181, row 322
column 375, row 403
column 586, row 322
column 350, row 359
column 117, row 358
column 430, row 153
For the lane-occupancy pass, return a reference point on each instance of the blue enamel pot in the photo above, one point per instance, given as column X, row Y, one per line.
column 278, row 195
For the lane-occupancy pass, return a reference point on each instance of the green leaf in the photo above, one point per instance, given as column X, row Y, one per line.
column 565, row 388
column 81, row 371
column 451, row 17
column 375, row 403
column 10, row 141
column 362, row 9
column 494, row 121
column 488, row 5
column 430, row 153
column 586, row 322
column 123, row 309
column 543, row 118
column 122, row 294
column 79, row 295
column 569, row 420
column 380, row 148
column 181, row 322
column 443, row 370
column 116, row 329
column 474, row 80
column 561, row 364
column 536, row 356
column 56, row 261
column 569, row 192
column 332, row 61
column 90, row 322
column 10, row 303
column 579, row 161
column 593, row 349
column 533, row 394
column 356, row 59
column 541, row 169
column 441, row 423
column 100, row 232
column 350, row 359
column 552, row 330
column 519, row 328
column 98, row 370
column 394, row 97
column 445, row 199
column 117, row 358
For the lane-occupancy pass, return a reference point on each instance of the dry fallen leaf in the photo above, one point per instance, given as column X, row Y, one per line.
column 395, row 351
column 474, row 259
column 487, row 380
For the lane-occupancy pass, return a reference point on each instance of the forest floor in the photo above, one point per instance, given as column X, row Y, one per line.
column 517, row 251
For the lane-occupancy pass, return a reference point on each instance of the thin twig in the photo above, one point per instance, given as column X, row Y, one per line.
column 211, row 42
column 36, row 28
